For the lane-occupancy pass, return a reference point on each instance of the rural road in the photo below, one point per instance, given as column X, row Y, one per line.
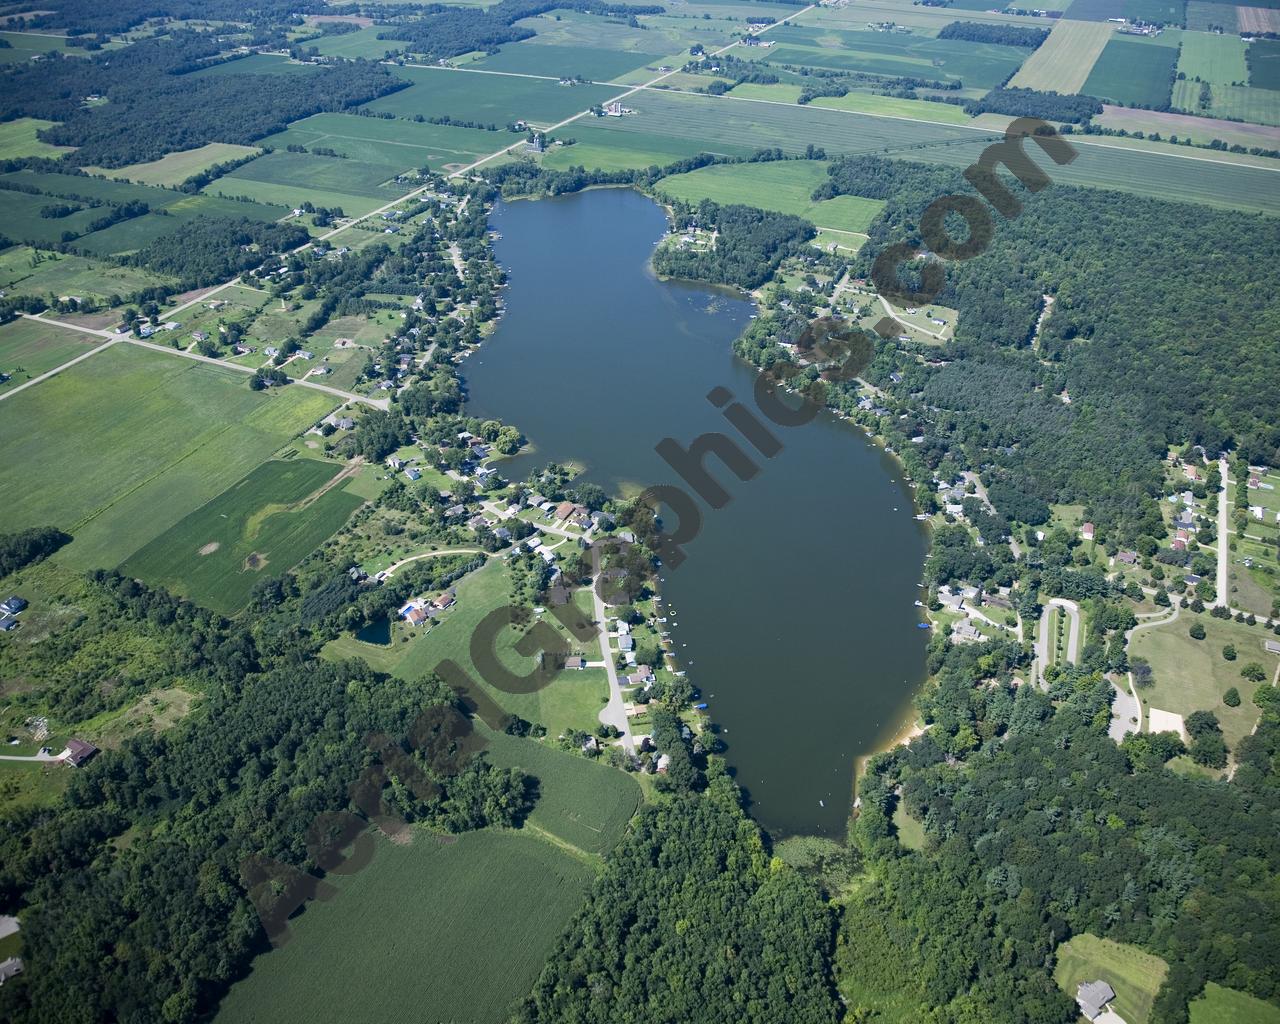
column 612, row 713
column 1127, row 706
column 1224, row 540
column 390, row 570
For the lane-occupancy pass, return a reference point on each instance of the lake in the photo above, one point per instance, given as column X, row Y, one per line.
column 794, row 607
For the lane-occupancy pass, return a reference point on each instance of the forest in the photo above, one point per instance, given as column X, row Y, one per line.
column 750, row 244
column 154, row 108
column 1050, row 106
column 1004, row 35
column 1148, row 358
column 210, row 250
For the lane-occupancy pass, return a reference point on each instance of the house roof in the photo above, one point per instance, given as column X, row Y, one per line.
column 78, row 752
column 1093, row 996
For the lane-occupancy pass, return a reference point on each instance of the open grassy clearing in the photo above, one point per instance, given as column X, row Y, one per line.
column 175, row 168
column 1133, row 73
column 18, row 139
column 259, row 64
column 581, row 802
column 1221, row 1005
column 1133, row 975
column 1218, row 59
column 120, row 447
column 556, row 61
column 571, row 701
column 434, row 916
column 1192, row 675
column 1064, row 60
column 31, row 784
column 783, row 185
column 261, row 526
column 392, row 143
column 683, row 125
column 28, row 349
column 1163, row 12
column 500, row 99
column 20, row 214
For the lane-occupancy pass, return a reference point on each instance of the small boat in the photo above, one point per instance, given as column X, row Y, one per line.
column 923, row 625
column 919, row 604
column 700, row 707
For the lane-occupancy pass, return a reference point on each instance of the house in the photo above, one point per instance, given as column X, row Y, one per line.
column 1254, row 482
column 10, row 968
column 1093, row 997
column 535, row 501
column 1191, row 472
column 564, row 510
column 445, row 600
column 199, row 336
column 304, row 354
column 13, row 605
column 624, row 628
column 413, row 473
column 1128, row 557
column 78, row 752
column 1086, row 531
column 1185, row 521
column 664, row 762
column 413, row 615
column 486, row 473
column 394, row 463
column 1257, row 511
column 477, row 522
column 625, row 643
column 7, row 622
column 1272, row 646
column 346, row 423
column 577, row 662
column 965, row 630
column 270, row 351
column 453, row 511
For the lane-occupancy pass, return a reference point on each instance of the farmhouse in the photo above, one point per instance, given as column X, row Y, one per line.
column 10, row 968
column 1093, row 996
column 1086, row 531
column 445, row 600
column 78, row 752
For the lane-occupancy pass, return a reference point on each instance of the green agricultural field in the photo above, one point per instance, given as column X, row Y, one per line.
column 364, row 43
column 782, row 185
column 120, row 447
column 1133, row 73
column 975, row 65
column 1221, row 1005
column 1214, row 58
column 669, row 125
column 261, row 526
column 1064, row 60
column 580, row 802
column 1198, row 129
column 20, row 215
column 1206, row 16
column 1162, row 12
column 1192, row 675
column 1258, row 106
column 1264, row 64
column 591, row 63
column 1133, row 975
column 28, row 349
column 130, row 235
column 176, row 168
column 890, row 106
column 397, row 143
column 572, row 701
column 406, row 939
column 781, row 92
column 306, row 171
column 497, row 99
column 18, row 139
column 29, row 271
column 259, row 64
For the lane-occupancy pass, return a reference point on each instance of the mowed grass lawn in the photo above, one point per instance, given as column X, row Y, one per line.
column 580, row 802
column 430, row 932
column 118, row 448
column 1135, row 976
column 572, row 700
column 1133, row 73
column 1064, row 60
column 782, row 185
column 1221, row 1005
column 28, row 349
column 1192, row 675
column 261, row 526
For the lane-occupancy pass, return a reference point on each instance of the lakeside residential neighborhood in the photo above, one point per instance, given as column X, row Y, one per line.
column 347, row 663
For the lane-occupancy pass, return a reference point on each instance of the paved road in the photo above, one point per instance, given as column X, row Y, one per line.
column 1043, row 639
column 1224, row 540
column 612, row 713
